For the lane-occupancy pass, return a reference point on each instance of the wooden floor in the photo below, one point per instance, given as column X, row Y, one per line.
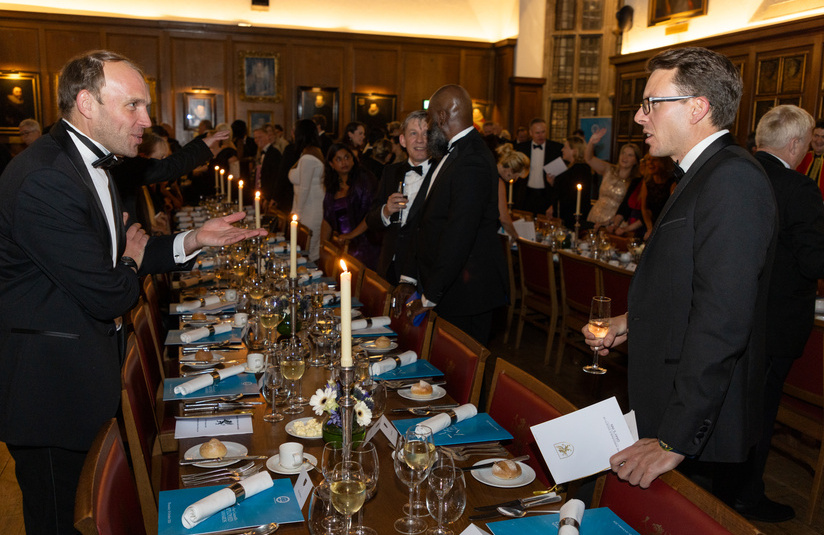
column 787, row 481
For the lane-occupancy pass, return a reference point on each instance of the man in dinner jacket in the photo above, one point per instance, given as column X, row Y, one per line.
column 68, row 272
column 532, row 193
column 697, row 302
column 457, row 262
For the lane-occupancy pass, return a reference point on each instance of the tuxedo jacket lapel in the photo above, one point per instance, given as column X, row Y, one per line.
column 420, row 198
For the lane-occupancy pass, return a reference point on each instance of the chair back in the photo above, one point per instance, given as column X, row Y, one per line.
column 522, row 214
column 537, row 270
column 672, row 504
column 615, row 285
column 580, row 281
column 328, row 261
column 155, row 317
column 280, row 221
column 517, row 401
column 106, row 502
column 375, row 294
column 412, row 337
column 461, row 358
column 304, row 237
column 148, row 355
column 357, row 269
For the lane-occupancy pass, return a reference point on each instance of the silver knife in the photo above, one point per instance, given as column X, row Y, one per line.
column 522, row 502
column 427, row 407
column 489, row 464
column 184, row 462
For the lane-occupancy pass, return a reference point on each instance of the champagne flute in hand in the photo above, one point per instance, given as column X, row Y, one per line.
column 599, row 314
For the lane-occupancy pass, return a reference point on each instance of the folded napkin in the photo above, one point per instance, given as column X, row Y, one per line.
column 195, row 277
column 194, row 335
column 312, row 274
column 389, row 363
column 226, row 497
column 188, row 306
column 443, row 420
column 184, row 218
column 206, row 379
column 377, row 321
column 207, row 262
column 329, row 298
column 282, row 248
column 570, row 517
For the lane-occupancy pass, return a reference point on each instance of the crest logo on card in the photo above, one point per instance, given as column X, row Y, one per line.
column 564, row 450
column 282, row 499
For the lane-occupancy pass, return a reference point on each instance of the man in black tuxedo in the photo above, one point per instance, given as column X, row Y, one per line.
column 782, row 137
column 698, row 300
column 391, row 210
column 532, row 194
column 272, row 187
column 70, row 272
column 457, row 265
column 325, row 139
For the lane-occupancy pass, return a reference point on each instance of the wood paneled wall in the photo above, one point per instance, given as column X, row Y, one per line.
column 181, row 56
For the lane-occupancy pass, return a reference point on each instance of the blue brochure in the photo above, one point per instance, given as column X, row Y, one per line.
column 481, row 428
column 243, row 383
column 418, row 369
column 601, row 521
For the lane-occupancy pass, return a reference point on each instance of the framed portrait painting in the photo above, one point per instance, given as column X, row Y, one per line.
column 373, row 110
column 198, row 107
column 259, row 77
column 259, row 118
column 19, row 99
column 319, row 101
column 661, row 11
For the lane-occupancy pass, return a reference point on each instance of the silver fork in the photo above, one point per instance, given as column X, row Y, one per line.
column 215, row 479
column 472, row 447
column 220, row 471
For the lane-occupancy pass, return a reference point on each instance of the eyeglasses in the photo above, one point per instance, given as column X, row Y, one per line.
column 646, row 104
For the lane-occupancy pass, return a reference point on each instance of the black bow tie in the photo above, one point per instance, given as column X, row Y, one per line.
column 677, row 173
column 103, row 161
column 417, row 168
column 539, row 147
column 107, row 162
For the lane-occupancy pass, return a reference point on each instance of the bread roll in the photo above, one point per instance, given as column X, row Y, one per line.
column 203, row 356
column 199, row 316
column 383, row 342
column 506, row 469
column 213, row 449
column 422, row 389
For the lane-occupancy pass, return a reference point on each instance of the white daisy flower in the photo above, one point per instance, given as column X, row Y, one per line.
column 319, row 401
column 363, row 413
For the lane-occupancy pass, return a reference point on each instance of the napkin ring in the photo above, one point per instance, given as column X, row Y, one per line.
column 202, row 301
column 240, row 492
column 368, row 322
column 211, row 329
column 568, row 521
column 215, row 376
column 397, row 360
column 453, row 418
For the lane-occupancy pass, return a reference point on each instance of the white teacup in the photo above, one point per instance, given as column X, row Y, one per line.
column 291, row 455
column 230, row 295
column 254, row 361
column 625, row 258
column 241, row 318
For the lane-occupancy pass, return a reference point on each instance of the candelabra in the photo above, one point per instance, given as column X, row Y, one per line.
column 573, row 242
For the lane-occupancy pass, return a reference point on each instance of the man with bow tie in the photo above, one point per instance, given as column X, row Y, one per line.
column 533, row 194
column 69, row 271
column 698, row 301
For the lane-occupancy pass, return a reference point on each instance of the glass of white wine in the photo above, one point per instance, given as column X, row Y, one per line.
column 272, row 382
column 414, row 456
column 599, row 316
column 347, row 485
column 271, row 312
column 292, row 365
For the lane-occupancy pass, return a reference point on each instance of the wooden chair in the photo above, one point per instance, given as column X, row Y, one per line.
column 375, row 294
column 304, row 237
column 155, row 317
column 460, row 357
column 539, row 296
column 154, row 471
column 580, row 281
column 412, row 337
column 615, row 285
column 517, row 401
column 514, row 295
column 357, row 269
column 672, row 504
column 106, row 502
column 280, row 221
column 329, row 259
column 802, row 409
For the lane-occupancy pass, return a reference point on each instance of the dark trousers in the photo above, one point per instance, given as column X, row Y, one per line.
column 477, row 326
column 535, row 200
column 48, row 479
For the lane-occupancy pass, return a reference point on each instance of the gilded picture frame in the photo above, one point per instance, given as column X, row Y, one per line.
column 663, row 11
column 19, row 99
column 259, row 77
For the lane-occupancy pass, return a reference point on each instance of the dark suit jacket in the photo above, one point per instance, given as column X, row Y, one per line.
column 458, row 260
column 799, row 259
column 59, row 295
column 697, row 309
column 271, row 183
column 552, row 150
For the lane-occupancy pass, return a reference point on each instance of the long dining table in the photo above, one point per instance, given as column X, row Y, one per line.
column 386, row 506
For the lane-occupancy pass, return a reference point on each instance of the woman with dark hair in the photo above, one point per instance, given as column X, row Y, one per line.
column 354, row 137
column 349, row 192
column 307, row 177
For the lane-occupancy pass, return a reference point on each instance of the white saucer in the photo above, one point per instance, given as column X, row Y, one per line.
column 233, row 449
column 290, row 428
column 437, row 393
column 273, row 464
column 485, row 476
column 217, row 358
column 370, row 348
column 247, row 369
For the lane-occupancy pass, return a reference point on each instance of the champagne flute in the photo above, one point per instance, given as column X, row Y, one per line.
column 599, row 316
column 414, row 455
column 272, row 382
column 439, row 483
column 271, row 314
column 454, row 502
column 402, row 204
column 348, row 489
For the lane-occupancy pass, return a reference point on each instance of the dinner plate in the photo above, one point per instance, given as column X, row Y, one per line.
column 273, row 464
column 437, row 393
column 233, row 449
column 217, row 358
column 290, row 428
column 485, row 475
column 370, row 348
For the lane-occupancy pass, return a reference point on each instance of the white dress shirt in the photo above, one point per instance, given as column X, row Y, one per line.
column 536, row 166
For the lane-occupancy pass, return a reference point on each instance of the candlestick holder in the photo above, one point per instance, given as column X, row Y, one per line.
column 347, row 405
column 573, row 242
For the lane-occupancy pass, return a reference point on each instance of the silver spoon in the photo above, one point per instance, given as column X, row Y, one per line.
column 514, row 512
column 265, row 529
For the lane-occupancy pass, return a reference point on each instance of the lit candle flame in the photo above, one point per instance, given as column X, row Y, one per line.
column 217, row 167
column 579, row 187
column 295, row 217
column 240, row 183
column 222, row 171
column 257, row 195
column 231, row 177
column 343, row 265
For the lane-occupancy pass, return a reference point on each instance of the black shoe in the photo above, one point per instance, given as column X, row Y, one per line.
column 766, row 510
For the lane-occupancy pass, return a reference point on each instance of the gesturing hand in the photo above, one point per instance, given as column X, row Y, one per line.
column 642, row 462
column 218, row 232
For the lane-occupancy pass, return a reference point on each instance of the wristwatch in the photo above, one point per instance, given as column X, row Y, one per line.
column 129, row 262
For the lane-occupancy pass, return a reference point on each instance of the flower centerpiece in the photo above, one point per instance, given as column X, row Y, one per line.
column 326, row 399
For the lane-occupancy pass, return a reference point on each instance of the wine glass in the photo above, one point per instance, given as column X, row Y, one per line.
column 348, row 489
column 272, row 382
column 413, row 458
column 377, row 389
column 634, row 247
column 292, row 365
column 330, row 457
column 454, row 501
column 323, row 518
column 271, row 312
column 599, row 315
column 257, row 289
column 365, row 454
column 402, row 204
column 440, row 481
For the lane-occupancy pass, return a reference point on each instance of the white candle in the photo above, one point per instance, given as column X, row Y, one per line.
column 257, row 209
column 217, row 178
column 510, row 191
column 345, row 317
column 222, row 183
column 229, row 188
column 578, row 201
column 239, row 195
column 293, row 248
